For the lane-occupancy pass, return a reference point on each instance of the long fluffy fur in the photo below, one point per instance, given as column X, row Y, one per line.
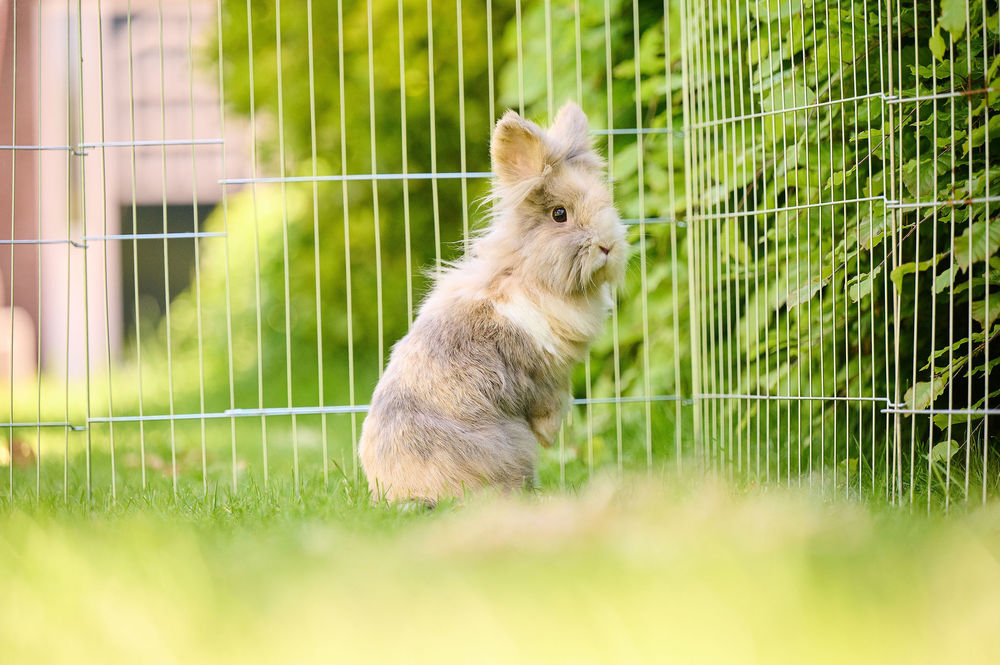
column 483, row 375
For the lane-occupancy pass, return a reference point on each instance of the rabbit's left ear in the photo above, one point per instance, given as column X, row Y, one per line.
column 570, row 131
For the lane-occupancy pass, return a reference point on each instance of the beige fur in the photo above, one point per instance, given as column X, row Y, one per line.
column 483, row 375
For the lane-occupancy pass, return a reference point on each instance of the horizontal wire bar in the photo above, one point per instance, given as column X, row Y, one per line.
column 359, row 177
column 632, row 131
column 159, row 236
column 295, row 411
column 943, row 412
column 341, row 409
column 763, row 114
column 631, row 400
column 768, row 211
column 948, row 202
column 633, row 221
column 77, row 428
column 35, row 147
column 153, row 142
column 44, row 241
column 881, row 96
column 794, row 398
column 891, row 99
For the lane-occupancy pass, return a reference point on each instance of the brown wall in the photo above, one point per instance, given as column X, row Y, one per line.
column 19, row 166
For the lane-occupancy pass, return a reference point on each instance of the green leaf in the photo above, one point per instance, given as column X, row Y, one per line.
column 945, row 279
column 807, row 291
column 978, row 243
column 862, row 285
column 953, row 16
column 918, row 181
column 902, row 270
column 944, row 450
column 981, row 315
column 937, row 44
column 923, row 393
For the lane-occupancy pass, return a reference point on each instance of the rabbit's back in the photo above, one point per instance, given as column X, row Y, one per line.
column 450, row 412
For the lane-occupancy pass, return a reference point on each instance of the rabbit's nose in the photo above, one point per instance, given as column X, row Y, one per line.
column 606, row 250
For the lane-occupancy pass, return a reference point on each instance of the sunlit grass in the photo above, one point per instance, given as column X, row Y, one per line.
column 651, row 571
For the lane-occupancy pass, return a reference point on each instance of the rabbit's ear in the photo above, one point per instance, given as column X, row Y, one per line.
column 517, row 149
column 570, row 131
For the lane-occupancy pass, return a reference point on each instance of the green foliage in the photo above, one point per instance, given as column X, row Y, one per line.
column 891, row 293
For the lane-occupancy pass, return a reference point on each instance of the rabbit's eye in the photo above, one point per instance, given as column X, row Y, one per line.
column 559, row 214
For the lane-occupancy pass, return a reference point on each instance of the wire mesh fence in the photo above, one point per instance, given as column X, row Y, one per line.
column 222, row 215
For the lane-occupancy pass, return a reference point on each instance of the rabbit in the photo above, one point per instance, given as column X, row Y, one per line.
column 483, row 375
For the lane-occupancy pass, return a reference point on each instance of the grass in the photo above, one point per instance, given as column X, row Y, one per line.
column 637, row 570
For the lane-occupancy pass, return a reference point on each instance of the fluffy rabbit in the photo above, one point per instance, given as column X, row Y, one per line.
column 483, row 375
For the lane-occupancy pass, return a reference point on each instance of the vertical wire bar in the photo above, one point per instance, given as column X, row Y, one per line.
column 968, row 374
column 433, row 132
column 104, row 207
column 847, row 334
column 348, row 305
column 586, row 365
column 702, row 150
column 674, row 279
column 896, row 251
column 489, row 61
column 166, row 253
column 135, row 242
column 461, row 124
column 767, row 269
column 38, row 257
column 736, row 27
column 376, row 225
column 810, row 363
column 693, row 304
column 716, row 301
column 934, row 235
column 197, row 261
column 69, row 234
column 284, row 245
column 756, row 258
column 891, row 454
column 986, row 344
column 733, row 345
column 611, row 179
column 735, row 79
column 13, row 190
column 407, row 238
column 83, row 221
column 833, row 267
column 315, row 212
column 705, row 148
column 225, row 228
column 551, row 118
column 821, row 253
column 857, row 261
column 951, row 268
column 256, row 244
column 13, row 216
column 520, row 57
column 641, row 157
column 787, row 286
column 547, row 5
column 714, row 178
column 804, row 146
column 916, row 251
column 871, row 258
column 407, row 241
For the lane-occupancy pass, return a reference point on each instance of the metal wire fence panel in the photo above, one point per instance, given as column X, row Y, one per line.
column 223, row 214
column 842, row 221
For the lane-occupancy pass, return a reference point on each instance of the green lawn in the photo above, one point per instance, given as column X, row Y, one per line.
column 633, row 571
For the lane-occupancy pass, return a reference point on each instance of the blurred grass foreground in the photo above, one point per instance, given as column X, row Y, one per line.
column 622, row 573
